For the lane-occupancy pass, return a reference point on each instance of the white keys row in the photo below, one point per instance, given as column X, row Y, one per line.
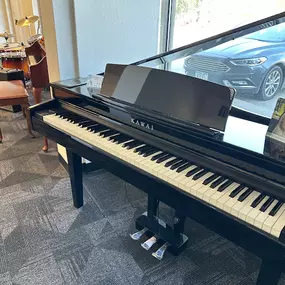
column 222, row 200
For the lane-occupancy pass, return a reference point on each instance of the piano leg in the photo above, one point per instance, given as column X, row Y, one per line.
column 270, row 272
column 75, row 173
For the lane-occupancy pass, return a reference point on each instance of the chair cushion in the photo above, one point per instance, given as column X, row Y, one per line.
column 12, row 89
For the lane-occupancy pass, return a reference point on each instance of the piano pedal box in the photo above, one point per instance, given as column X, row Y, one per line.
column 163, row 232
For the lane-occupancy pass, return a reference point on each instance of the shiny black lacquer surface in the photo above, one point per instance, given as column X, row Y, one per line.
column 241, row 144
column 238, row 132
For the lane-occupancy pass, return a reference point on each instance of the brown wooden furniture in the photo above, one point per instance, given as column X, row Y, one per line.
column 37, row 61
column 14, row 57
column 15, row 93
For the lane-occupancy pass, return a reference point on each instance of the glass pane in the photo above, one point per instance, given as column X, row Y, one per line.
column 251, row 60
column 198, row 19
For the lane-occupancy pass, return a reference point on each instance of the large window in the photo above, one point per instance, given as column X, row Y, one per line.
column 254, row 64
column 198, row 19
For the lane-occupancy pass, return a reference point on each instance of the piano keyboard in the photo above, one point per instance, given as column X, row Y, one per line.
column 249, row 205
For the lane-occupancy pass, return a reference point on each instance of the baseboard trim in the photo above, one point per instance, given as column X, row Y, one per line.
column 86, row 167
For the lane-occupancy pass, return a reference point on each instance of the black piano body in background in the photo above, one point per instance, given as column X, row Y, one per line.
column 236, row 157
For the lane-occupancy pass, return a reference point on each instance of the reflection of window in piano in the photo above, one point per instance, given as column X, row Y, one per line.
column 250, row 60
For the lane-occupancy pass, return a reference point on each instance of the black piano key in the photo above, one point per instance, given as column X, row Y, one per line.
column 122, row 140
column 257, row 200
column 89, row 128
column 236, row 191
column 268, row 202
column 128, row 144
column 117, row 137
column 114, row 137
column 200, row 174
column 99, row 129
column 210, row 179
column 162, row 159
column 145, row 150
column 172, row 161
column 150, row 152
column 183, row 167
column 276, row 208
column 86, row 124
column 138, row 149
column 157, row 156
column 134, row 144
column 77, row 120
column 70, row 115
column 217, row 182
column 193, row 171
column 178, row 164
column 245, row 194
column 225, row 185
column 62, row 112
column 107, row 134
column 97, row 126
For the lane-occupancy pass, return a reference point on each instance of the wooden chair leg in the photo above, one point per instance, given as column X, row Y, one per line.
column 24, row 107
column 1, row 137
column 45, row 147
column 37, row 93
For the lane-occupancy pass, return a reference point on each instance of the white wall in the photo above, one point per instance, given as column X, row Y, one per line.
column 58, row 27
column 66, row 38
column 112, row 31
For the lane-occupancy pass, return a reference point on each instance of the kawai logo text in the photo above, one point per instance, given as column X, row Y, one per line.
column 142, row 124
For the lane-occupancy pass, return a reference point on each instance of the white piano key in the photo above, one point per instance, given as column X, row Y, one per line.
column 247, row 205
column 278, row 226
column 238, row 206
column 251, row 216
column 222, row 197
column 260, row 219
column 230, row 203
column 271, row 220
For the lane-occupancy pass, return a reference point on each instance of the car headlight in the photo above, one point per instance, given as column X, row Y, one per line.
column 249, row 61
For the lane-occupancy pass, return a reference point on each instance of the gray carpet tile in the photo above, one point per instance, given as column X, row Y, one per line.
column 45, row 240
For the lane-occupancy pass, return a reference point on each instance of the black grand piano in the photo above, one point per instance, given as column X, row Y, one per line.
column 209, row 166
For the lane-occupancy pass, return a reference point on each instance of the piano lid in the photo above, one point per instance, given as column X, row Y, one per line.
column 242, row 128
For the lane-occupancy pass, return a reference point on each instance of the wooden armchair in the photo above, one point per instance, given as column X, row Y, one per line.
column 37, row 62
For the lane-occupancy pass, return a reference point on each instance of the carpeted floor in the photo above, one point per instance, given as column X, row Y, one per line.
column 44, row 240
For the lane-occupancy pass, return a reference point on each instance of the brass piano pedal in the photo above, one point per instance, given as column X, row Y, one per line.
column 139, row 234
column 149, row 243
column 160, row 252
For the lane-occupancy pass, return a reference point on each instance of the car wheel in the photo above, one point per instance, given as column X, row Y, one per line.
column 271, row 83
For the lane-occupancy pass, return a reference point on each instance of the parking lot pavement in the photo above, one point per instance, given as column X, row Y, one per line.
column 255, row 105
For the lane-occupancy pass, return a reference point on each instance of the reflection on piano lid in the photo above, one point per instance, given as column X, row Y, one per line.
column 168, row 94
column 179, row 96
